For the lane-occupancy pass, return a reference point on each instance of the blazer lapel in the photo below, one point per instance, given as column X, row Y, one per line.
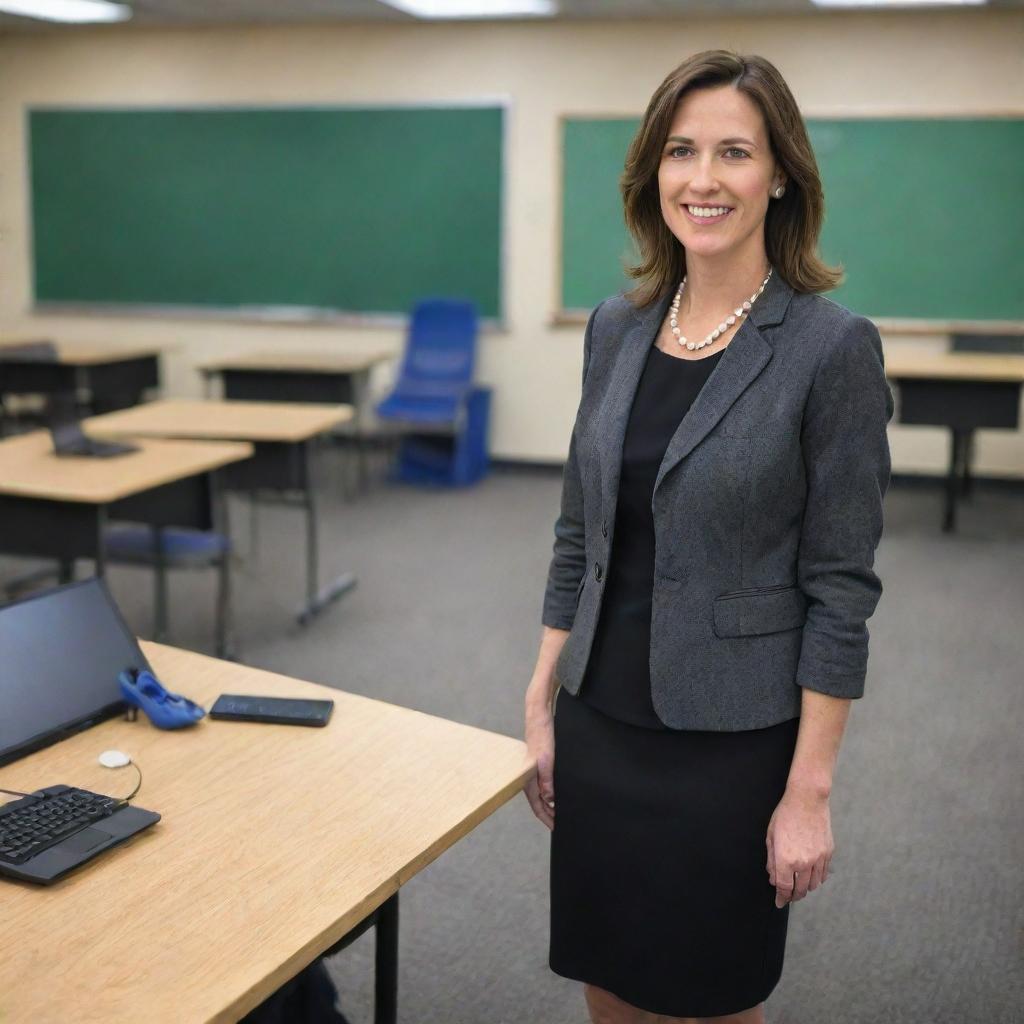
column 742, row 361
column 625, row 378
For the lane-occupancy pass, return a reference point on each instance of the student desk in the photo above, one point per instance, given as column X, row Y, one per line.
column 57, row 508
column 963, row 391
column 275, row 842
column 282, row 435
column 289, row 376
column 114, row 377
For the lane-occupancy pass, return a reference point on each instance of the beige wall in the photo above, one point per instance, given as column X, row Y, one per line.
column 966, row 62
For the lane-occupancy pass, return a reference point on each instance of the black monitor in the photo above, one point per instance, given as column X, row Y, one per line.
column 60, row 655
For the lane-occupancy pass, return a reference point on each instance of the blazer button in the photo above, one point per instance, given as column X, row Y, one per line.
column 604, row 529
column 597, row 572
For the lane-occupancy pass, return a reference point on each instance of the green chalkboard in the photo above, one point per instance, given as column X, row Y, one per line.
column 925, row 216
column 322, row 209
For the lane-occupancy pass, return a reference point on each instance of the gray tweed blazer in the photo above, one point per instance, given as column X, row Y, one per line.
column 767, row 511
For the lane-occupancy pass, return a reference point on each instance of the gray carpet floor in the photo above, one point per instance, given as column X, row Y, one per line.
column 923, row 919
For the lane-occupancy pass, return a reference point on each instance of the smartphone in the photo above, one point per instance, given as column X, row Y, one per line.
column 277, row 710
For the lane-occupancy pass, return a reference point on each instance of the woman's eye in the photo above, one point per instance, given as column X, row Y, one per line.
column 676, row 151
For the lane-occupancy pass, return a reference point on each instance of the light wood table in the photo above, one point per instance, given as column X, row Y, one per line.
column 113, row 376
column 286, row 361
column 275, row 842
column 282, row 434
column 963, row 391
column 59, row 507
column 199, row 419
column 287, row 375
column 81, row 353
column 30, row 469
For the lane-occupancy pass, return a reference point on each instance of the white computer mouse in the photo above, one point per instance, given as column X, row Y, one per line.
column 114, row 759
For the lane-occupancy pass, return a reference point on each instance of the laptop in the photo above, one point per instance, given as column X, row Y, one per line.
column 60, row 655
column 67, row 435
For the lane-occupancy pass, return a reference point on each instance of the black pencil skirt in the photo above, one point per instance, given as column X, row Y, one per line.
column 659, row 887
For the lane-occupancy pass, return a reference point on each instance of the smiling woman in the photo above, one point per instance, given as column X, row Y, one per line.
column 771, row 133
column 704, row 617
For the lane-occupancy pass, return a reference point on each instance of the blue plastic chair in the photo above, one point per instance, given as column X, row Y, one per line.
column 444, row 415
column 175, row 548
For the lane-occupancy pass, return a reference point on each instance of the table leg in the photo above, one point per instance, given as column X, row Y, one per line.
column 958, row 440
column 317, row 598
column 226, row 644
column 385, row 1008
column 968, row 481
column 360, row 390
column 160, row 586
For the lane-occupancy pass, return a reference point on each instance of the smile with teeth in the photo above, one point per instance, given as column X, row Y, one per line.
column 708, row 213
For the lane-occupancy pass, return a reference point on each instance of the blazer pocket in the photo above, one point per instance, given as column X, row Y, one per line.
column 759, row 611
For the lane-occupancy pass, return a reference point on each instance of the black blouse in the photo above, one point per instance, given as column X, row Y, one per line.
column 618, row 677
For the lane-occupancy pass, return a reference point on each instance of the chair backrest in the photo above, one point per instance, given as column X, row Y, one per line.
column 440, row 352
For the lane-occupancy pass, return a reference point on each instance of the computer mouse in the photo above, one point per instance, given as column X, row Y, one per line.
column 114, row 759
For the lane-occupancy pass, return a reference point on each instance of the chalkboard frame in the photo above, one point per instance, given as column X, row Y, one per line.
column 269, row 314
column 567, row 316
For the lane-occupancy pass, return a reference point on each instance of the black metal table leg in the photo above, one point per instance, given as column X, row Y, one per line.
column 317, row 597
column 385, row 1007
column 160, row 625
column 967, row 482
column 958, row 441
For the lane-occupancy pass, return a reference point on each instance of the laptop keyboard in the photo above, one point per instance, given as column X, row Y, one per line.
column 47, row 817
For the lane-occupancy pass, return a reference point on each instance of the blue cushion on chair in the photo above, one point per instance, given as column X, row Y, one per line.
column 415, row 409
column 134, row 544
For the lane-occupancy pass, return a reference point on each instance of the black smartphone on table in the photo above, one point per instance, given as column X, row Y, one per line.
column 236, row 707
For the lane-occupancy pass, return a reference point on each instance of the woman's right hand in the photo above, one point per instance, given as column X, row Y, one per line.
column 540, row 725
column 540, row 743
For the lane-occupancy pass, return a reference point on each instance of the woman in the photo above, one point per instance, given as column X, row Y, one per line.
column 704, row 618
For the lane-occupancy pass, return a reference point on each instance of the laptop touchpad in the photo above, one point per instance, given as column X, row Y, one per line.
column 85, row 840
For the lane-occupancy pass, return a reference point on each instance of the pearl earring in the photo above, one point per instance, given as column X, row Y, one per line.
column 779, row 192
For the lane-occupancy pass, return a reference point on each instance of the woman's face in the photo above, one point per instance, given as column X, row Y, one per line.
column 717, row 156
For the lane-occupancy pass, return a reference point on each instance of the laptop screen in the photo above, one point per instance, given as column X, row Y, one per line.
column 60, row 656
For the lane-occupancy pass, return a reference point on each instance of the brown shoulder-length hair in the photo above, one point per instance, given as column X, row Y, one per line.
column 792, row 224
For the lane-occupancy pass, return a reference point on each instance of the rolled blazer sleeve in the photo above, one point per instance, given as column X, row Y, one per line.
column 569, row 561
column 846, row 460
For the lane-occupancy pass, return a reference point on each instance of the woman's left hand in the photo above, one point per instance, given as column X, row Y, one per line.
column 800, row 845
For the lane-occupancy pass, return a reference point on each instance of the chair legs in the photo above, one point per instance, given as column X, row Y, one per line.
column 225, row 631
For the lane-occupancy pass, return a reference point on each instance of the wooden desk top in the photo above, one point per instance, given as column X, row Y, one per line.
column 80, row 353
column 973, row 366
column 275, row 841
column 288, row 361
column 29, row 469
column 222, row 420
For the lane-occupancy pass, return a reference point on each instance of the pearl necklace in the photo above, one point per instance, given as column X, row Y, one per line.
column 740, row 311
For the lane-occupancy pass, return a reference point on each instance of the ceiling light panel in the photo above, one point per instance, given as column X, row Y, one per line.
column 475, row 8
column 79, row 11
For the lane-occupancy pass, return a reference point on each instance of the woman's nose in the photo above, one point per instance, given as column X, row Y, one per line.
column 703, row 179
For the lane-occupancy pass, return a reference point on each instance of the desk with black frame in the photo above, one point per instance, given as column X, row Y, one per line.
column 964, row 391
column 290, row 376
column 282, row 435
column 112, row 377
column 58, row 508
column 271, row 850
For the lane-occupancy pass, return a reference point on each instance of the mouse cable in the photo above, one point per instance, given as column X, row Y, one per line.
column 138, row 785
